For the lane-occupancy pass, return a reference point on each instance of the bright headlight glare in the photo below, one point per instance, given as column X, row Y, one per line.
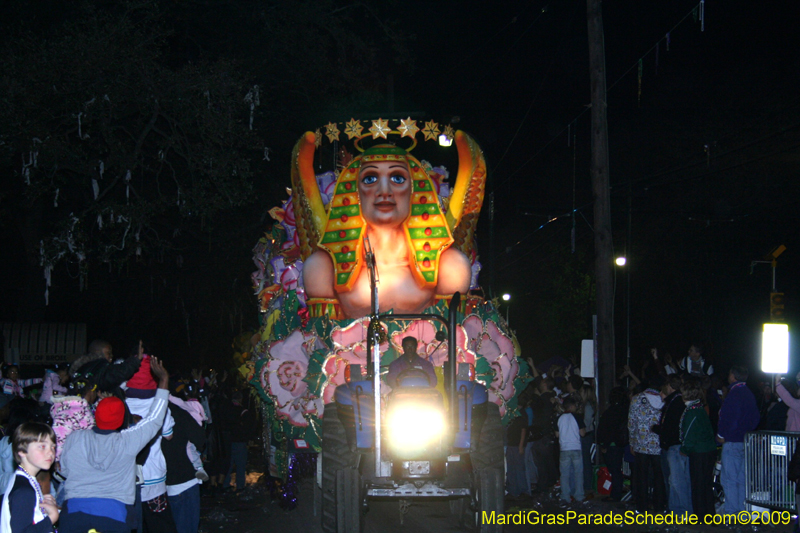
column 413, row 426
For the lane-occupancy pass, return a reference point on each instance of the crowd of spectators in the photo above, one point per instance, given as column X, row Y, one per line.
column 117, row 446
column 672, row 424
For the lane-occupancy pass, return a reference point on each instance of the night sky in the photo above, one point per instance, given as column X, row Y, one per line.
column 708, row 156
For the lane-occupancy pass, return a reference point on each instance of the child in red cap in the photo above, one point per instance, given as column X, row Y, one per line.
column 100, row 463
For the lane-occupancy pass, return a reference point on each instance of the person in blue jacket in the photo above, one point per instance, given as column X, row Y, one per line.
column 738, row 415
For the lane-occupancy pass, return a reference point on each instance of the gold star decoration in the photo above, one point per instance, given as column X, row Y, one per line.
column 318, row 140
column 353, row 129
column 431, row 130
column 408, row 128
column 449, row 133
column 332, row 131
column 379, row 128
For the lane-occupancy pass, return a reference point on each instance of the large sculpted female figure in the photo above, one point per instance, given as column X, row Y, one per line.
column 386, row 195
column 313, row 283
column 380, row 191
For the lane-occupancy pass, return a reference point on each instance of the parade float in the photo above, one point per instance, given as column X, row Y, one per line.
column 313, row 287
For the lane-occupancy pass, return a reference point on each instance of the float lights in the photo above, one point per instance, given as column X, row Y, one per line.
column 506, row 297
column 445, row 140
column 775, row 349
column 620, row 261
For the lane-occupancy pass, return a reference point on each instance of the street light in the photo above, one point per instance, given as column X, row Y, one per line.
column 506, row 297
column 621, row 261
column 775, row 349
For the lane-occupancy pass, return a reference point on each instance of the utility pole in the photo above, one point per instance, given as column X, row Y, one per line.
column 603, row 244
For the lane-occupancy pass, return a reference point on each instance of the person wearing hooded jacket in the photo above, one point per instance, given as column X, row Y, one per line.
column 644, row 413
column 100, row 463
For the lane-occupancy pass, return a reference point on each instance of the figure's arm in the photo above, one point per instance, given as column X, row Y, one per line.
column 455, row 272
column 318, row 275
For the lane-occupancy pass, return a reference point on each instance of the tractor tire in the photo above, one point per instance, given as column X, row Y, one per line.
column 336, row 456
column 349, row 496
column 317, row 499
column 459, row 509
column 490, row 452
column 490, row 496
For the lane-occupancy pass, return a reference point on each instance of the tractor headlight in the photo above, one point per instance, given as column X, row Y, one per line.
column 414, row 427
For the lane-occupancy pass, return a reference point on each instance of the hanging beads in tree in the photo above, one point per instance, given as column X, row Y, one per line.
column 702, row 15
column 640, row 82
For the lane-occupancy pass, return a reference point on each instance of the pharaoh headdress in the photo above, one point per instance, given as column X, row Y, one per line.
column 429, row 231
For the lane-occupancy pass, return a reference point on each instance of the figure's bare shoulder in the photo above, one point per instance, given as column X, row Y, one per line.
column 318, row 275
column 455, row 272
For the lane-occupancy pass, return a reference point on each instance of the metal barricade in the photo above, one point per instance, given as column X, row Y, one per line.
column 766, row 456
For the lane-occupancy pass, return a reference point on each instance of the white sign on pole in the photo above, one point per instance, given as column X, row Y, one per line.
column 587, row 358
column 777, row 445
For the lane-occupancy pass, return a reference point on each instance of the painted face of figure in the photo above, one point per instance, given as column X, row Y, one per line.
column 384, row 189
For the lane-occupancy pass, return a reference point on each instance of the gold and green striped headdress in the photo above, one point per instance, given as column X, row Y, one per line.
column 427, row 232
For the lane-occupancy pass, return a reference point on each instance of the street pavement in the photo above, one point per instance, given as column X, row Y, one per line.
column 254, row 511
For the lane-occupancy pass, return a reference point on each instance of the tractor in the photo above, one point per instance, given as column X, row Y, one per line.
column 415, row 444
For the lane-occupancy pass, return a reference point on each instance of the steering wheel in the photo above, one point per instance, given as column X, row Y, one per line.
column 413, row 372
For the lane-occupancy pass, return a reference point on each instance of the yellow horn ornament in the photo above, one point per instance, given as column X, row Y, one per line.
column 306, row 199
column 468, row 193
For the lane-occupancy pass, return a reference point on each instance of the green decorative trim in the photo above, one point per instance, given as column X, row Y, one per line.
column 419, row 209
column 345, row 258
column 438, row 232
column 341, row 189
column 349, row 210
column 422, row 256
column 422, row 186
column 349, row 235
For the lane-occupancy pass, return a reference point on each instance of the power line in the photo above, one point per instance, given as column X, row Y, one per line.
column 635, row 64
column 580, row 209
column 535, row 97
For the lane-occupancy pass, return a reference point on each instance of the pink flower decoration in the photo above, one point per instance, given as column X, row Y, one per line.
column 498, row 350
column 282, row 377
column 349, row 347
column 473, row 326
column 429, row 348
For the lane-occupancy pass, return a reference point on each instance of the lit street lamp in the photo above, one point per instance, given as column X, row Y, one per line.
column 506, row 298
column 621, row 261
